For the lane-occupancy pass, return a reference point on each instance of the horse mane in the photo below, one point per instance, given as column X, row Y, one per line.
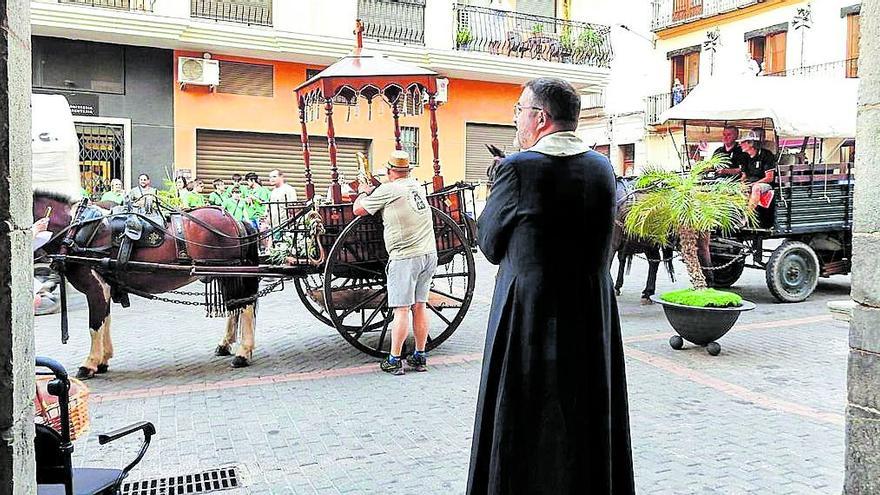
column 53, row 195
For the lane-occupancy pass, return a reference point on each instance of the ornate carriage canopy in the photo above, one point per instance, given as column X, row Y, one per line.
column 368, row 75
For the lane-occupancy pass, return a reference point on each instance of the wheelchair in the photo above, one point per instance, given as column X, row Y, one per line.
column 55, row 472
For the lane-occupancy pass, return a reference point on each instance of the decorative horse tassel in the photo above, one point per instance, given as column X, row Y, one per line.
column 214, row 304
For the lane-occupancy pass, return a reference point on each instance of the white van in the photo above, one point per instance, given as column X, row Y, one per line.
column 55, row 146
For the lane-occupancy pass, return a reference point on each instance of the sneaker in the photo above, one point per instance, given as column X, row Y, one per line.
column 418, row 361
column 395, row 367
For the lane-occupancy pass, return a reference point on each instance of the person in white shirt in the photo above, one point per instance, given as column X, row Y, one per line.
column 280, row 197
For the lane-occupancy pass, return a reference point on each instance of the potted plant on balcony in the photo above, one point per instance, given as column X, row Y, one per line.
column 566, row 44
column 587, row 44
column 670, row 205
column 463, row 38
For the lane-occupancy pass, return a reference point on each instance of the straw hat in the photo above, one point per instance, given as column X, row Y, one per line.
column 399, row 161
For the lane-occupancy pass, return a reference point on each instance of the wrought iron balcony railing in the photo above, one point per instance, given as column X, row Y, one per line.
column 393, row 20
column 134, row 5
column 837, row 69
column 525, row 35
column 657, row 104
column 668, row 13
column 250, row 12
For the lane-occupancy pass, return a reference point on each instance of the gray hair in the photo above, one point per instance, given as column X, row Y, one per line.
column 558, row 98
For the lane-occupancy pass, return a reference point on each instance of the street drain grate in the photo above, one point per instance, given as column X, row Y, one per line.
column 211, row 480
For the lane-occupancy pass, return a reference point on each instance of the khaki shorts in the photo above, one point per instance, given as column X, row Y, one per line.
column 409, row 280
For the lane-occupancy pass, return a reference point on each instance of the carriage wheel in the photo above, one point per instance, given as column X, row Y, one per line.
column 356, row 295
column 792, row 271
column 727, row 276
column 310, row 290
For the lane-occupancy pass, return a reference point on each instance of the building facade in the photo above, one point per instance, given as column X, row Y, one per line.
column 247, row 119
column 122, row 101
column 691, row 41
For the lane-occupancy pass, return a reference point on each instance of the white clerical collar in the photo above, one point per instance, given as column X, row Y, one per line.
column 562, row 143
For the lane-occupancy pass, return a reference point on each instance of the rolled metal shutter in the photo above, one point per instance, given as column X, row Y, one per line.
column 477, row 158
column 219, row 154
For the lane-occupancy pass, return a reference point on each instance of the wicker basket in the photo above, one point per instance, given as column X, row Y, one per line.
column 48, row 411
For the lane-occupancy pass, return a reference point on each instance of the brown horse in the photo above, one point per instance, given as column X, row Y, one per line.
column 204, row 236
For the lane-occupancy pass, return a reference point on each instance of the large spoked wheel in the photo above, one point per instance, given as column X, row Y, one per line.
column 792, row 271
column 355, row 286
column 310, row 290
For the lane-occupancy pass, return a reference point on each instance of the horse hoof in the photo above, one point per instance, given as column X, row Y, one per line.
column 240, row 362
column 102, row 368
column 646, row 301
column 222, row 350
column 84, row 373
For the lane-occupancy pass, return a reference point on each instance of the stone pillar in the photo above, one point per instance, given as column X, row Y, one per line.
column 863, row 374
column 17, row 473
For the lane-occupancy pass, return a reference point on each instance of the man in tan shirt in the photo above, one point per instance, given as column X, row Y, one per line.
column 412, row 255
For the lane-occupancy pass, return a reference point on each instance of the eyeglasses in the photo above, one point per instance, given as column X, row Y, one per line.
column 517, row 109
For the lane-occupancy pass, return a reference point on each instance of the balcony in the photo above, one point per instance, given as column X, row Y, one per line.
column 393, row 20
column 669, row 13
column 514, row 34
column 133, row 5
column 657, row 104
column 840, row 68
column 250, row 12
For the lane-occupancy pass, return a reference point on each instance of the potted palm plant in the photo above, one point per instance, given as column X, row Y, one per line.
column 684, row 206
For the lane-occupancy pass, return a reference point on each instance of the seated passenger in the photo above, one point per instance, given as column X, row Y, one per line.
column 732, row 151
column 759, row 171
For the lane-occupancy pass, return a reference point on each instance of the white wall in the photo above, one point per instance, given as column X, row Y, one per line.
column 630, row 69
column 824, row 42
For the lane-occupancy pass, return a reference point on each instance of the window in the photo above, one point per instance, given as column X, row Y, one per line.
column 605, row 149
column 769, row 52
column 627, row 159
column 246, row 79
column 853, row 35
column 686, row 68
column 78, row 65
column 409, row 138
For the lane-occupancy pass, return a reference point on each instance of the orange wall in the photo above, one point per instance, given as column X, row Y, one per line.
column 468, row 101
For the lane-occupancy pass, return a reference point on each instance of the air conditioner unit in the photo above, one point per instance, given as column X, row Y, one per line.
column 198, row 71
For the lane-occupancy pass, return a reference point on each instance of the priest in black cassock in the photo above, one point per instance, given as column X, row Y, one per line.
column 552, row 414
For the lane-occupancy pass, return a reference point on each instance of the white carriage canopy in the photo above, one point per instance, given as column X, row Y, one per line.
column 794, row 107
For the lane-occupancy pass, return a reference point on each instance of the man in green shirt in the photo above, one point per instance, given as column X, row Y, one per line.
column 220, row 193
column 195, row 199
column 236, row 205
column 258, row 197
column 115, row 194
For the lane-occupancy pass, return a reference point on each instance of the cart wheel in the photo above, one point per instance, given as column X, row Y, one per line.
column 355, row 286
column 676, row 342
column 310, row 290
column 713, row 348
column 727, row 276
column 792, row 272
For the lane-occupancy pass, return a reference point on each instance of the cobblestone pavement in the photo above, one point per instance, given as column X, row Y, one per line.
column 314, row 416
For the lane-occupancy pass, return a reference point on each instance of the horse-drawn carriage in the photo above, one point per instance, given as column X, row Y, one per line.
column 809, row 124
column 335, row 259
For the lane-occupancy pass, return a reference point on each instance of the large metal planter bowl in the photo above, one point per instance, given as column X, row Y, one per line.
column 701, row 326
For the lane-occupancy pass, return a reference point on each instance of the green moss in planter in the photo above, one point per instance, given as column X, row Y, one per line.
column 703, row 298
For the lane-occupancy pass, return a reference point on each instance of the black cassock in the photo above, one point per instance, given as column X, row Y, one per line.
column 552, row 415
